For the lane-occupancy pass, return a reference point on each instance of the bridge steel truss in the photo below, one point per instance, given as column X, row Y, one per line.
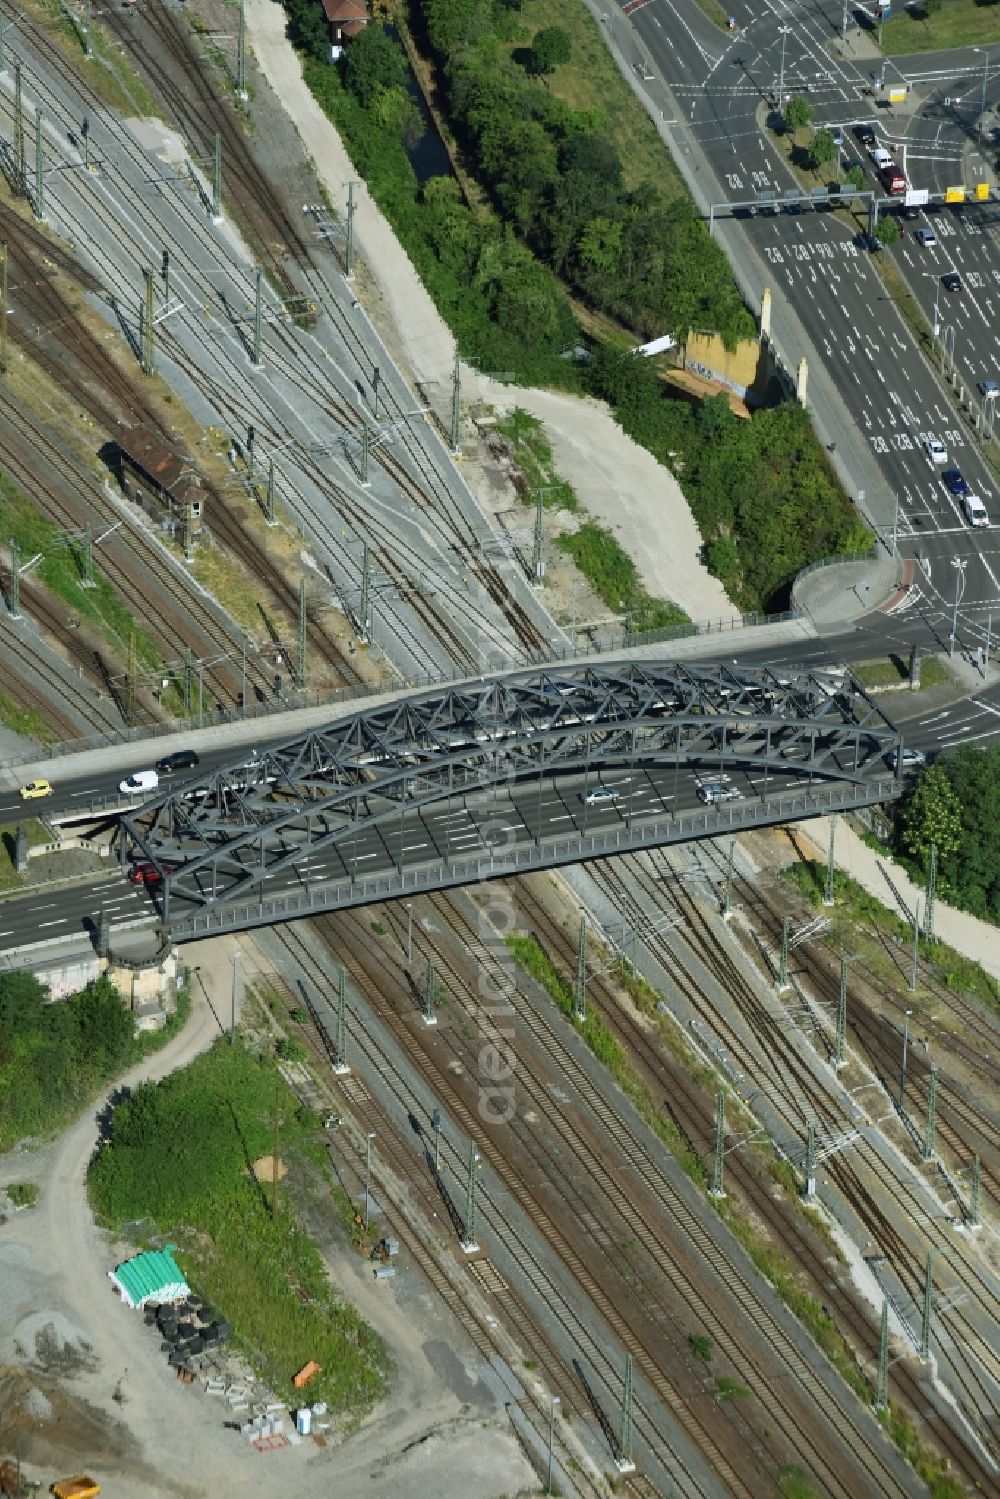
column 218, row 839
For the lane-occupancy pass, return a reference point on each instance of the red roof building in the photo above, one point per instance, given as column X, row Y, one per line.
column 346, row 18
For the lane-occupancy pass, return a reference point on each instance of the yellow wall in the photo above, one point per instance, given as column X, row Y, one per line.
column 706, row 354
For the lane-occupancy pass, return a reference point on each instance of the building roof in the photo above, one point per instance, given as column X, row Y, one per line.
column 349, row 16
column 144, row 447
column 153, row 1276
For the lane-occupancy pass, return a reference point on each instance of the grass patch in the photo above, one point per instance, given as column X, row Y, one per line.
column 22, row 1194
column 227, row 581
column 781, row 1273
column 934, row 673
column 107, row 71
column 888, row 673
column 614, row 577
column 893, row 671
column 178, row 1155
column 931, row 1468
column 9, row 877
column 533, row 958
column 855, row 912
column 533, row 453
column 959, row 23
column 793, row 1483
column 729, row 1389
column 592, row 75
column 61, row 572
column 25, row 721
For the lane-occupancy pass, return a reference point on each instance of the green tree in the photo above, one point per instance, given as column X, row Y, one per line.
column 823, row 147
column 308, row 30
column 888, row 229
column 453, row 22
column 551, row 48
column 931, row 813
column 371, row 63
column 855, row 176
column 105, row 1028
column 798, row 113
column 931, row 7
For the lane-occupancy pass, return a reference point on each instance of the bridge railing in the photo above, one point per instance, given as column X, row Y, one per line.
column 710, row 821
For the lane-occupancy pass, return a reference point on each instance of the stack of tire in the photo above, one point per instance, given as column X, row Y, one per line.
column 187, row 1329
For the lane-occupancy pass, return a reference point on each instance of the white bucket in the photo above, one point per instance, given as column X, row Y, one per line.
column 303, row 1421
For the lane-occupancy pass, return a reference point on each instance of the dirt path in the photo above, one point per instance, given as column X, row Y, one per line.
column 617, row 481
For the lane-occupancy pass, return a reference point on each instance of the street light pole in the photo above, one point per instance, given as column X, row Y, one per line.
column 784, row 30
column 552, row 1425
column 959, row 564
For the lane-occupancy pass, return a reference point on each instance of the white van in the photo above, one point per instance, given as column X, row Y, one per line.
column 975, row 511
column 881, row 157
column 140, row 780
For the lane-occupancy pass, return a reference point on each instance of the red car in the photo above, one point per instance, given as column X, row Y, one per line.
column 147, row 873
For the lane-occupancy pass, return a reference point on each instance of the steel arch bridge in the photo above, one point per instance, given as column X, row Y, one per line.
column 222, row 842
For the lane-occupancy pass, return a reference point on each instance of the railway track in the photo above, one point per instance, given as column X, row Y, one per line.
column 776, row 1066
column 260, row 206
column 965, row 1121
column 440, row 626
column 664, row 1294
column 693, row 1111
column 509, row 1330
column 83, row 368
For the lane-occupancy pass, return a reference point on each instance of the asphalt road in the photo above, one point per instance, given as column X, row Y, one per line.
column 721, row 84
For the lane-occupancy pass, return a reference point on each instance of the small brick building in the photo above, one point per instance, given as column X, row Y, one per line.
column 160, row 479
column 345, row 18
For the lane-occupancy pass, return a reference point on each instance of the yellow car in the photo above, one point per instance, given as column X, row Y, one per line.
column 35, row 788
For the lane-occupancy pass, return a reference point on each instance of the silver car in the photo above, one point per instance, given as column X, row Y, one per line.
column 716, row 791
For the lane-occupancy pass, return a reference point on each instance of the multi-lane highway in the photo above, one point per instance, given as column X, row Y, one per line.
column 882, row 398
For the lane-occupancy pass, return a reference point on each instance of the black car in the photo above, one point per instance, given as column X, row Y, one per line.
column 179, row 760
column 952, row 282
column 909, row 212
column 865, row 134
